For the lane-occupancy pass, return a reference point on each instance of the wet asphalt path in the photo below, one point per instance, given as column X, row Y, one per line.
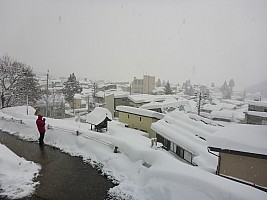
column 62, row 176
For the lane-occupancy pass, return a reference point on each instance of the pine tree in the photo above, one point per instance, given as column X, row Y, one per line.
column 17, row 82
column 71, row 87
column 167, row 88
column 212, row 84
column 231, row 85
column 226, row 91
column 163, row 83
column 158, row 83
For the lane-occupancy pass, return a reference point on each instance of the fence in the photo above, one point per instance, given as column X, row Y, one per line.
column 78, row 133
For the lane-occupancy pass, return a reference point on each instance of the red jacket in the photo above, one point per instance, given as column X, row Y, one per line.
column 40, row 124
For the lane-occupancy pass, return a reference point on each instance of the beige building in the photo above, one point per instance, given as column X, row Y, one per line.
column 242, row 153
column 143, row 86
column 257, row 113
column 140, row 119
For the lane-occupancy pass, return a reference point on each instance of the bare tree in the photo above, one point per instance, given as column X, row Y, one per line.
column 18, row 84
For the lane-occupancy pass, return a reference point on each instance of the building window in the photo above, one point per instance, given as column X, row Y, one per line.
column 128, row 116
column 180, row 152
column 140, row 119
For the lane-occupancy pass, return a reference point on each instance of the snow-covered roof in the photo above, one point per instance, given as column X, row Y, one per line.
column 77, row 96
column 212, row 107
column 258, row 103
column 166, row 102
column 116, row 93
column 170, row 102
column 234, row 102
column 140, row 111
column 259, row 114
column 241, row 137
column 223, row 114
column 145, row 98
column 98, row 115
column 185, row 132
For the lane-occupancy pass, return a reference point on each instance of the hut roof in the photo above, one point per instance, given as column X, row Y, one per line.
column 98, row 115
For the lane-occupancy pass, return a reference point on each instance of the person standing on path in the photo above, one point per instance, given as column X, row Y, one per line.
column 40, row 122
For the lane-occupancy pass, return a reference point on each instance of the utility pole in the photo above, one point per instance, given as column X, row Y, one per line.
column 200, row 96
column 46, row 108
column 199, row 103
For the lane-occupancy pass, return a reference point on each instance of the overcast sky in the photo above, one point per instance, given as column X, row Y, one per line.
column 207, row 40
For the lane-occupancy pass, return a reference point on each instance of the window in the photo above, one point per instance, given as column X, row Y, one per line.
column 128, row 116
column 187, row 156
column 140, row 119
column 180, row 152
column 173, row 147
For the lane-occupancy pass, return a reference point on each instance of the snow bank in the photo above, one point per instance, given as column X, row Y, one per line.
column 16, row 175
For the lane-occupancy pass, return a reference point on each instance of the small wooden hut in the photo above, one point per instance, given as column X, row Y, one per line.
column 99, row 118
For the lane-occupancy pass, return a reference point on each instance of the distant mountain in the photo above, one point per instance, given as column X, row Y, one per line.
column 260, row 87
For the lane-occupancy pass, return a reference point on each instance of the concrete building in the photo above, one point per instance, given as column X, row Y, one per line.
column 242, row 153
column 143, row 86
column 137, row 118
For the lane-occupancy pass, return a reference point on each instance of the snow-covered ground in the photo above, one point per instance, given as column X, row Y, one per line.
column 16, row 175
column 143, row 173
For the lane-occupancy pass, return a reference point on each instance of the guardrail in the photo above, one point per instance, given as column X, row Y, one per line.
column 13, row 120
column 80, row 133
column 69, row 131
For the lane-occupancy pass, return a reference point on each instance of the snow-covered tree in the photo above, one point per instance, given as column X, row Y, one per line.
column 18, row 83
column 158, row 83
column 231, row 85
column 163, row 83
column 226, row 91
column 167, row 88
column 212, row 84
column 186, row 84
column 71, row 87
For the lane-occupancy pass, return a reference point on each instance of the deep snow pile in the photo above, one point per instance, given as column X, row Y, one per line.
column 16, row 175
column 142, row 172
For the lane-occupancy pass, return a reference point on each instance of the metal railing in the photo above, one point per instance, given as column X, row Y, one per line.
column 78, row 133
column 81, row 134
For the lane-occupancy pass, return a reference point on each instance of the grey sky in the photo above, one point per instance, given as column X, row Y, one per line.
column 120, row 39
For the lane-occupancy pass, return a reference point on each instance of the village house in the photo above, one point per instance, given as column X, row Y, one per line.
column 137, row 100
column 257, row 113
column 186, row 138
column 242, row 153
column 114, row 99
column 168, row 105
column 137, row 118
column 77, row 101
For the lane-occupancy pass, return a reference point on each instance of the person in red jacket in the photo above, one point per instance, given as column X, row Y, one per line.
column 40, row 122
